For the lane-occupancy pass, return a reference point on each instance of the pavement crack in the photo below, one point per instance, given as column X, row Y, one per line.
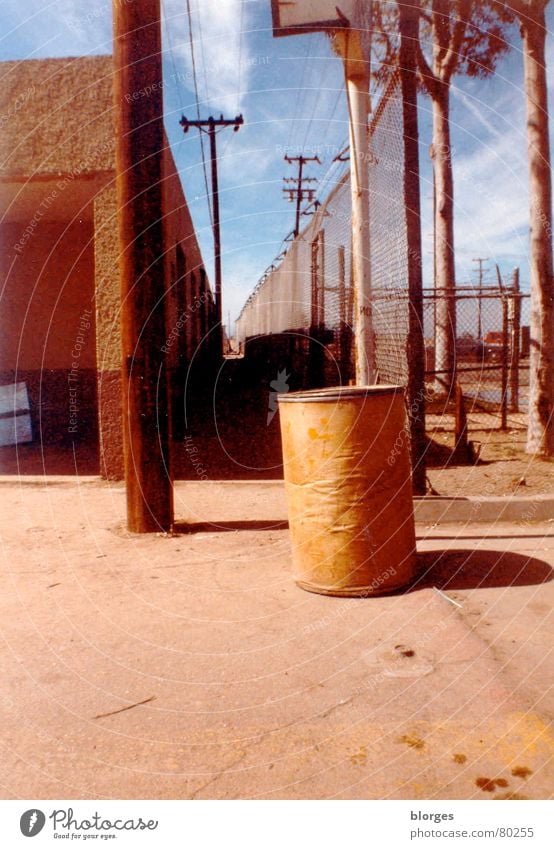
column 218, row 775
column 127, row 707
column 333, row 708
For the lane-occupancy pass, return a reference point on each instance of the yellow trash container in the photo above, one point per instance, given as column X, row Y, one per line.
column 349, row 491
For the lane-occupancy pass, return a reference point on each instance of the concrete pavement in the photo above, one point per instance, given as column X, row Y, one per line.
column 192, row 667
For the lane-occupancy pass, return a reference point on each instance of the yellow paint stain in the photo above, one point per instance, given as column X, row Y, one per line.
column 315, row 434
column 528, row 734
column 360, row 757
column 510, row 796
column 511, row 737
column 412, row 741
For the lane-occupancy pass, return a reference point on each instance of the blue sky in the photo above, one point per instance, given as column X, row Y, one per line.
column 290, row 92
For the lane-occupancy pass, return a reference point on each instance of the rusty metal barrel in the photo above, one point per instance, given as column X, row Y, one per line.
column 348, row 487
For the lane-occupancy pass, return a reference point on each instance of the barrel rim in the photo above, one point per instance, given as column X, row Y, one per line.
column 339, row 393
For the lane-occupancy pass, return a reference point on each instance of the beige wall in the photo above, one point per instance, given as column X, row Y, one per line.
column 47, row 327
column 58, row 128
column 48, row 287
column 57, row 116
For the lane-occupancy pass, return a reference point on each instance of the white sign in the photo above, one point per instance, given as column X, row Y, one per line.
column 294, row 17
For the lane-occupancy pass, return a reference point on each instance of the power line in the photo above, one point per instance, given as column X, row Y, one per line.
column 168, row 36
column 202, row 54
column 301, row 91
column 319, row 89
column 195, row 80
column 241, row 24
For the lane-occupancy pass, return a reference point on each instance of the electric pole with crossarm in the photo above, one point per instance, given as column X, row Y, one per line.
column 296, row 190
column 209, row 126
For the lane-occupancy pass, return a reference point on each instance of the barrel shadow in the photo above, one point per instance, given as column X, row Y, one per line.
column 460, row 569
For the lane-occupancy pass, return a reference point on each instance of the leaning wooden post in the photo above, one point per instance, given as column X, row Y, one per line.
column 139, row 151
column 409, row 29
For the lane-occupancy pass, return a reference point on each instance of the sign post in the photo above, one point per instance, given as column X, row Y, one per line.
column 350, row 27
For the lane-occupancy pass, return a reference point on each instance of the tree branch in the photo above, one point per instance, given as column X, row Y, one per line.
column 457, row 38
column 439, row 26
column 526, row 10
column 426, row 75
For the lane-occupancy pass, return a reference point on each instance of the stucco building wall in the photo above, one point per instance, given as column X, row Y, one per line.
column 59, row 243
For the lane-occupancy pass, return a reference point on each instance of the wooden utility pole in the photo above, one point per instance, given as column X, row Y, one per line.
column 209, row 126
column 296, row 191
column 139, row 150
column 409, row 29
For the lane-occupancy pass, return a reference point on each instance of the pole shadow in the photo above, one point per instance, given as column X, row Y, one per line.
column 239, row 525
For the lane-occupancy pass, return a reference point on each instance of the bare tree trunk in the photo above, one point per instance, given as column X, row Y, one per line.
column 445, row 327
column 540, row 433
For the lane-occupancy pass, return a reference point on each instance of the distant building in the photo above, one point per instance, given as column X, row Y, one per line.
column 59, row 301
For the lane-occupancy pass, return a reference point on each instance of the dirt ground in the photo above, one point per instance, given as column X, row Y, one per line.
column 231, row 447
column 502, row 466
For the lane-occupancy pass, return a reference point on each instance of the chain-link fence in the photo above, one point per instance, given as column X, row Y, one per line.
column 311, row 292
column 309, row 298
column 491, row 364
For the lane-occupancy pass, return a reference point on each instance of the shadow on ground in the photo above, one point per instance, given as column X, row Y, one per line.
column 239, row 525
column 463, row 570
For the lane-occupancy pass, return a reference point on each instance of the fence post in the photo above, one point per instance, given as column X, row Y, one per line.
column 342, row 284
column 343, row 328
column 314, row 341
column 505, row 340
column 321, row 277
column 461, row 444
column 514, row 342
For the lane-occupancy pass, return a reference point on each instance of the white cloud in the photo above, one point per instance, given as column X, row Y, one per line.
column 222, row 57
